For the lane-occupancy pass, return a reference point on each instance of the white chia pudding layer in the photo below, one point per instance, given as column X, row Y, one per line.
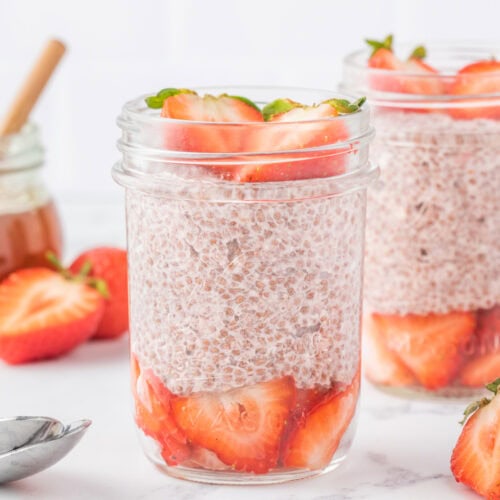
column 226, row 292
column 433, row 222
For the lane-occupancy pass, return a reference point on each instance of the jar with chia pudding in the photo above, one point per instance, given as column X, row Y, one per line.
column 245, row 242
column 432, row 268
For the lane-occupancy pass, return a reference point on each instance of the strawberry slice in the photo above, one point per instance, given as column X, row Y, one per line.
column 242, row 426
column 315, row 440
column 201, row 458
column 478, row 371
column 313, row 126
column 485, row 362
column 153, row 414
column 419, row 79
column 476, row 458
column 381, row 365
column 190, row 130
column 43, row 315
column 481, row 77
column 432, row 346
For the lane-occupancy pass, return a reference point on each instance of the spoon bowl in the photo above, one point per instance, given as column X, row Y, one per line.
column 42, row 451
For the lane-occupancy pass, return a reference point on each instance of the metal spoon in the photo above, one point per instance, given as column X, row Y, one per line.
column 20, row 431
column 37, row 453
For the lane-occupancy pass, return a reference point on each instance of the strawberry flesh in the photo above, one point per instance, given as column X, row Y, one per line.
column 316, row 438
column 481, row 77
column 153, row 414
column 432, row 347
column 44, row 315
column 381, row 365
column 242, row 426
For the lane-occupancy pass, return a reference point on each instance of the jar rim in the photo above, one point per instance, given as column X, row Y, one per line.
column 135, row 114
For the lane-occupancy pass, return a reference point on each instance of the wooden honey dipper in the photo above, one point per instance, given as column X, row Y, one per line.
column 33, row 86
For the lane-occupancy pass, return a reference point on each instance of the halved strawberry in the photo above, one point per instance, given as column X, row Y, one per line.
column 476, row 458
column 481, row 77
column 381, row 365
column 153, row 414
column 242, row 426
column 188, row 108
column 293, row 126
column 43, row 314
column 419, row 80
column 315, row 440
column 432, row 347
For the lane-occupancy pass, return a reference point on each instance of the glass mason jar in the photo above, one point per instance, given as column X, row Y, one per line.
column 29, row 225
column 432, row 268
column 245, row 297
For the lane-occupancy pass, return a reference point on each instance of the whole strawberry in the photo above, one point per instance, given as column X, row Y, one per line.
column 110, row 265
column 476, row 457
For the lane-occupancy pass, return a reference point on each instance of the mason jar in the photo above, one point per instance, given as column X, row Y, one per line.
column 245, row 297
column 432, row 269
column 29, row 224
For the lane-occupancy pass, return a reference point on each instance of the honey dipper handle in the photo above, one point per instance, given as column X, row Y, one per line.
column 32, row 87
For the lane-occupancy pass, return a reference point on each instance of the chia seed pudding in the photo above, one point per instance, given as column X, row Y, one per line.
column 245, row 280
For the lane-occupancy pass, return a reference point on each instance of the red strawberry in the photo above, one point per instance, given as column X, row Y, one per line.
column 43, row 315
column 476, row 458
column 431, row 346
column 484, row 364
column 293, row 126
column 381, row 365
column 109, row 264
column 478, row 371
column 153, row 415
column 242, row 426
column 194, row 116
column 481, row 77
column 420, row 78
column 314, row 441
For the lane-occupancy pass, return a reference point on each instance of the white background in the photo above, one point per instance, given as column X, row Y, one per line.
column 119, row 49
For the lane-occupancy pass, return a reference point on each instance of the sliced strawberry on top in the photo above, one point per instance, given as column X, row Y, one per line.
column 381, row 365
column 476, row 458
column 293, row 126
column 315, row 440
column 187, row 106
column 153, row 414
column 43, row 314
column 432, row 347
column 242, row 426
column 481, row 77
column 419, row 80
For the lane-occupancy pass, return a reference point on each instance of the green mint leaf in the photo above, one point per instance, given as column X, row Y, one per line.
column 494, row 386
column 344, row 107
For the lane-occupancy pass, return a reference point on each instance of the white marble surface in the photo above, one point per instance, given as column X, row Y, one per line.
column 401, row 450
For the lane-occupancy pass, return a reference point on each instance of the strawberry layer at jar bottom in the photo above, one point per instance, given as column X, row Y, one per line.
column 450, row 354
column 267, row 432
